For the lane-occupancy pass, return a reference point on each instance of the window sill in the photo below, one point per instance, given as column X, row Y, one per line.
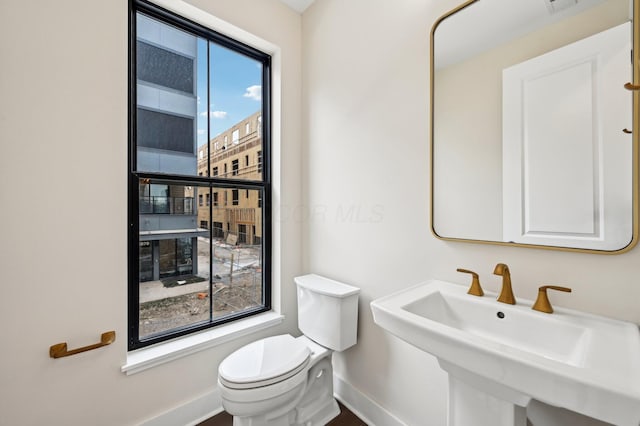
column 143, row 359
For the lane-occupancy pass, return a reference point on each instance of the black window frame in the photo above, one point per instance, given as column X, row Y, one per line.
column 212, row 182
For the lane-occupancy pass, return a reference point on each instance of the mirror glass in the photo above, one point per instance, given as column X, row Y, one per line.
column 531, row 137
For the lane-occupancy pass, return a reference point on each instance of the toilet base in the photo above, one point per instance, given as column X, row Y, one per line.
column 314, row 406
column 323, row 415
column 318, row 405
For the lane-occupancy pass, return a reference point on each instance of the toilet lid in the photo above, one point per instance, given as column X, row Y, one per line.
column 264, row 362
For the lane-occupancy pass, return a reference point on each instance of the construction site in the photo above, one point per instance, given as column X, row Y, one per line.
column 228, row 281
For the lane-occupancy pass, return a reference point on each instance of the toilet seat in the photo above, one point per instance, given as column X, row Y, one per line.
column 264, row 362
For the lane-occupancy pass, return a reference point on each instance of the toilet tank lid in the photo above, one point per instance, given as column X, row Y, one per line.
column 326, row 286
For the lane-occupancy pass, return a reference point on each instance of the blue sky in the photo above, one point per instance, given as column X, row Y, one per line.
column 235, row 88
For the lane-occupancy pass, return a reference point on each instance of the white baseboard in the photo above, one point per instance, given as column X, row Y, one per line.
column 209, row 404
column 190, row 414
column 362, row 406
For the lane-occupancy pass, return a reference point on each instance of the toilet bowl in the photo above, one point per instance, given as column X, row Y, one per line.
column 285, row 380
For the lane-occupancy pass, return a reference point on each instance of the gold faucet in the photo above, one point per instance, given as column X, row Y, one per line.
column 506, row 294
column 542, row 302
column 475, row 289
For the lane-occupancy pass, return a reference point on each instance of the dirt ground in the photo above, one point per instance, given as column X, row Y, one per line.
column 228, row 297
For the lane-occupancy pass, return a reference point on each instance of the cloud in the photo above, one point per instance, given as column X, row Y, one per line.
column 254, row 92
column 215, row 114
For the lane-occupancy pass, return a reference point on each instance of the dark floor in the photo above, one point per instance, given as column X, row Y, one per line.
column 345, row 418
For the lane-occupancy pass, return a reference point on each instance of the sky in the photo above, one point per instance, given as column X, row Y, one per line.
column 235, row 83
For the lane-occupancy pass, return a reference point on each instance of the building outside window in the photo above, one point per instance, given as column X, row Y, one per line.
column 173, row 148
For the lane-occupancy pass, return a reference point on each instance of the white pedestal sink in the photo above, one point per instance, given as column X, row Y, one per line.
column 500, row 356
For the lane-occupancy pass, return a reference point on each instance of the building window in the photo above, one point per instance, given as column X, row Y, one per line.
column 165, row 131
column 259, row 161
column 168, row 171
column 247, row 128
column 246, row 161
column 163, row 67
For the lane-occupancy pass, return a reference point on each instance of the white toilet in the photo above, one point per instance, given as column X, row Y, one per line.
column 282, row 380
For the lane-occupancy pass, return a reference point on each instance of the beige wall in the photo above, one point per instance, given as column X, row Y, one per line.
column 366, row 145
column 63, row 149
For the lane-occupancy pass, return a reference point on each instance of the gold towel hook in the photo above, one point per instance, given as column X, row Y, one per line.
column 59, row 350
column 631, row 86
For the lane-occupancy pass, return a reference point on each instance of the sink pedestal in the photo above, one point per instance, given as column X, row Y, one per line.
column 474, row 400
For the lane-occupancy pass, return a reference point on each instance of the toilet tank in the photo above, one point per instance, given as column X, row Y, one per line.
column 327, row 311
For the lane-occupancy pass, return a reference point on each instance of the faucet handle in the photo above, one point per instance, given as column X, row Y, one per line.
column 475, row 288
column 542, row 302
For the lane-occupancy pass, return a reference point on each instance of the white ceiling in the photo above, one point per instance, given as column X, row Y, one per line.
column 298, row 5
column 489, row 23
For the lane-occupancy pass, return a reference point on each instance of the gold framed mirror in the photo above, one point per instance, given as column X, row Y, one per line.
column 533, row 110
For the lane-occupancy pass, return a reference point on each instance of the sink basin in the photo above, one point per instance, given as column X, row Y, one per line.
column 585, row 363
column 513, row 328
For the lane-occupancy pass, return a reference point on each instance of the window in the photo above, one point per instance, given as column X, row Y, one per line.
column 247, row 128
column 246, row 161
column 174, row 241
